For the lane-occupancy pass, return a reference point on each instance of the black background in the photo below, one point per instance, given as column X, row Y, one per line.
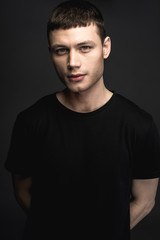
column 28, row 74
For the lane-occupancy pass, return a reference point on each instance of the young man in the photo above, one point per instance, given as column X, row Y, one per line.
column 85, row 161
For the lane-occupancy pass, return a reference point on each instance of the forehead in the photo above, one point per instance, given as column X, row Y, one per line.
column 75, row 35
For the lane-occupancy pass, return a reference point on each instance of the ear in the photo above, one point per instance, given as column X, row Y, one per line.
column 106, row 47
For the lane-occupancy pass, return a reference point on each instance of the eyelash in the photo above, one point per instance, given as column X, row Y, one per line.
column 89, row 47
column 58, row 51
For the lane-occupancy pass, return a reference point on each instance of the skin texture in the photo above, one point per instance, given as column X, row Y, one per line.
column 80, row 50
column 144, row 194
column 70, row 55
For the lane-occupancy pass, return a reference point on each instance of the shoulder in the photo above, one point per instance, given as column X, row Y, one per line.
column 134, row 115
column 41, row 105
column 37, row 115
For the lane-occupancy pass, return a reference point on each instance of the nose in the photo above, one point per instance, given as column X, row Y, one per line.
column 73, row 60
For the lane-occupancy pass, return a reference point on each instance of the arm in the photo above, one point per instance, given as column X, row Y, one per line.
column 143, row 199
column 22, row 190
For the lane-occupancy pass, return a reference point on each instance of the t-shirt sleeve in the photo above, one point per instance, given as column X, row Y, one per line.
column 21, row 154
column 146, row 157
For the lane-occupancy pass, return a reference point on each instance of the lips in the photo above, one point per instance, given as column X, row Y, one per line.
column 76, row 77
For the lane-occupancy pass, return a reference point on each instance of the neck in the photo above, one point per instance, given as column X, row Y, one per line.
column 85, row 101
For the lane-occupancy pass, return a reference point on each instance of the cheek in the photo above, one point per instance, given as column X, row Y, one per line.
column 59, row 66
column 96, row 63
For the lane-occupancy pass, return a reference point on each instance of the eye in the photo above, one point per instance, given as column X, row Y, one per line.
column 61, row 51
column 86, row 48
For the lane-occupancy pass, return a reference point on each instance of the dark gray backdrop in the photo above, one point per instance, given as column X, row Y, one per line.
column 28, row 74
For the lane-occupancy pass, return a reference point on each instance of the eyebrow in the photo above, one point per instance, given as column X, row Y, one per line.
column 86, row 42
column 78, row 44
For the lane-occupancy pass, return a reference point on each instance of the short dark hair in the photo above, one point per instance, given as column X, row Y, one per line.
column 72, row 14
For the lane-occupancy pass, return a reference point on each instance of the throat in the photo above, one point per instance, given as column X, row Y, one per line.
column 83, row 104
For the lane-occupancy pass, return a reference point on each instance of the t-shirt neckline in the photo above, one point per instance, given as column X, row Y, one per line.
column 87, row 114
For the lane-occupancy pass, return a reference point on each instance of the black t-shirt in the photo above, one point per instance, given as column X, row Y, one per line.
column 82, row 166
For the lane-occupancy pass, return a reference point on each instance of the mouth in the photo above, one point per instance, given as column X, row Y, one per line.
column 76, row 77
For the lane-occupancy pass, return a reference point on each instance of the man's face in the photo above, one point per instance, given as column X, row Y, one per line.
column 78, row 56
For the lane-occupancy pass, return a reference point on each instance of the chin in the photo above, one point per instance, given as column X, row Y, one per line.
column 78, row 89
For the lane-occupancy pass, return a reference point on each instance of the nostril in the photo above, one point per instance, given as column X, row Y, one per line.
column 69, row 67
